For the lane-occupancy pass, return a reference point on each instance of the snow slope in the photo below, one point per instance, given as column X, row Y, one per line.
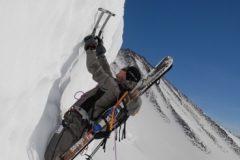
column 42, row 65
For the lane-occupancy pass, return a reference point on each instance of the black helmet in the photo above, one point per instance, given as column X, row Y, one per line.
column 133, row 74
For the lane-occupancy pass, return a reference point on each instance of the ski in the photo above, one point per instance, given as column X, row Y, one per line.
column 99, row 19
column 78, row 147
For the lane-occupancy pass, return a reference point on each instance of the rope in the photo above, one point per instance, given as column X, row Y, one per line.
column 113, row 120
column 77, row 93
column 83, row 93
column 115, row 131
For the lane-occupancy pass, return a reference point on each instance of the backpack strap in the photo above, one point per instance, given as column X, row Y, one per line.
column 69, row 130
column 114, row 109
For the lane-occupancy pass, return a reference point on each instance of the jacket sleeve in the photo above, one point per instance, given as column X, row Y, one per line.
column 104, row 63
column 100, row 70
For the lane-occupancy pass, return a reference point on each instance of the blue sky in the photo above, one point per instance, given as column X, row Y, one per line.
column 203, row 37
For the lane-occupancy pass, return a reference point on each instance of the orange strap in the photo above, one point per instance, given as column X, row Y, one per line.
column 116, row 105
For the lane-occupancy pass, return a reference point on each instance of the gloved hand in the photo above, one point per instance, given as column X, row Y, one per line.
column 90, row 43
column 100, row 48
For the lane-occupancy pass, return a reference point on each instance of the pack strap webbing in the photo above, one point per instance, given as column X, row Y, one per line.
column 114, row 109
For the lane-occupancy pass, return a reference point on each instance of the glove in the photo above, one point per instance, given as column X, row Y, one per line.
column 90, row 43
column 100, row 48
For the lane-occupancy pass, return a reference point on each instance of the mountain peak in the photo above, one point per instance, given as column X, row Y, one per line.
column 178, row 117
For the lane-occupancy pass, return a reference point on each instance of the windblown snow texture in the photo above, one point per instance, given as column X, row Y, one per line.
column 43, row 64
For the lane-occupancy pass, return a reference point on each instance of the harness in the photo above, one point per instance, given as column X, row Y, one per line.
column 86, row 111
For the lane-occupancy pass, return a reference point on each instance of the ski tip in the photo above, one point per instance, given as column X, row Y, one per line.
column 170, row 58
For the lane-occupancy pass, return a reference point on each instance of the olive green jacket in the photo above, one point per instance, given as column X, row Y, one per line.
column 101, row 73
